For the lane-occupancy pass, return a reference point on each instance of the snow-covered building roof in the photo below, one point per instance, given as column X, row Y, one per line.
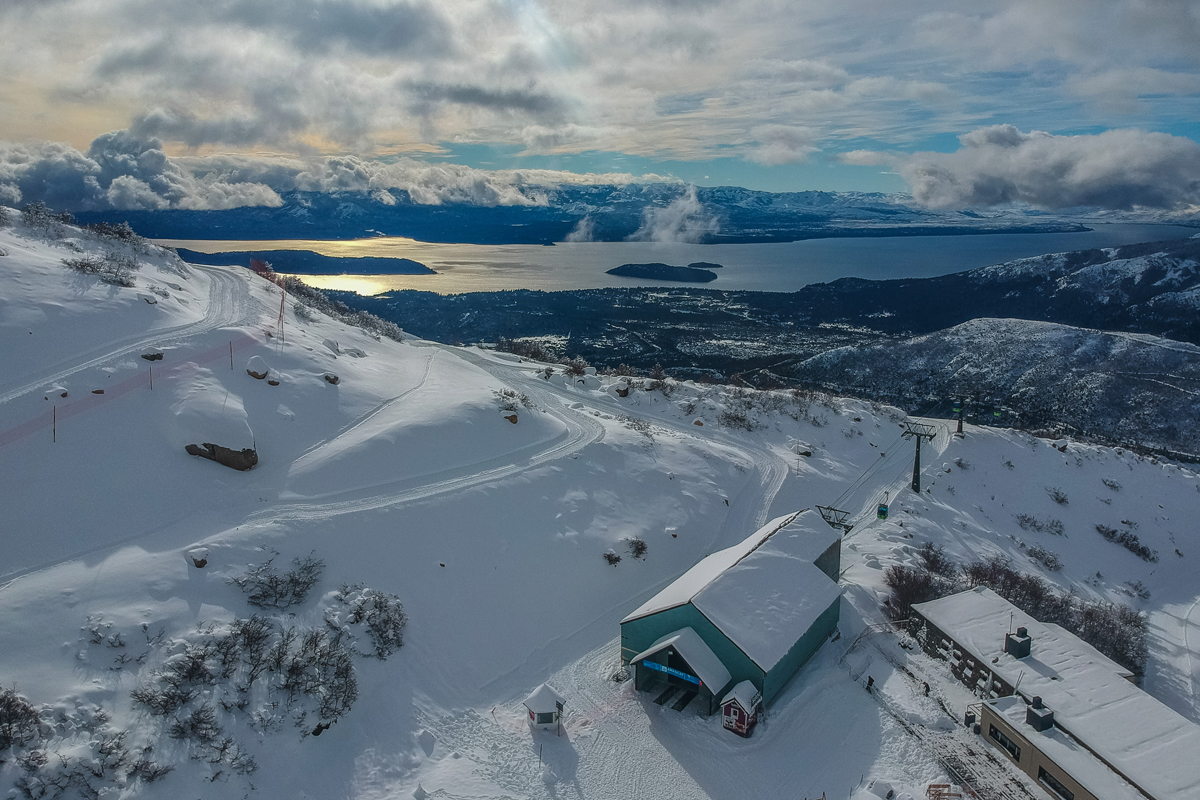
column 763, row 593
column 745, row 694
column 1148, row 743
column 544, row 699
column 695, row 652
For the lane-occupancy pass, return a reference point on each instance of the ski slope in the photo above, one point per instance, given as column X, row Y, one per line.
column 405, row 476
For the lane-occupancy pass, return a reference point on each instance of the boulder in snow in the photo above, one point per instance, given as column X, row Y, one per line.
column 149, row 298
column 272, row 382
column 511, row 416
column 153, row 354
column 241, row 460
column 332, row 379
column 698, row 422
column 354, row 351
column 199, row 557
column 333, row 346
column 257, row 368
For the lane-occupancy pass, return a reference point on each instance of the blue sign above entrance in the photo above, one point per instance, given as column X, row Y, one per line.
column 674, row 672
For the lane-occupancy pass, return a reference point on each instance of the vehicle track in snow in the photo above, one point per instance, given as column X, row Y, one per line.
column 581, row 430
column 229, row 304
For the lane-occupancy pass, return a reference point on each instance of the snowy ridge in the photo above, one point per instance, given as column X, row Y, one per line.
column 403, row 476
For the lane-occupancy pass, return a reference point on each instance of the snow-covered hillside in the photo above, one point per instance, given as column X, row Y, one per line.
column 406, row 476
column 1130, row 387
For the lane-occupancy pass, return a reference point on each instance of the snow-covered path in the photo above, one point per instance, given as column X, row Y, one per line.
column 229, row 304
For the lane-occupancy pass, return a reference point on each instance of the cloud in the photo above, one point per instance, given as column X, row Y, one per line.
column 782, row 144
column 1118, row 169
column 685, row 219
column 124, row 170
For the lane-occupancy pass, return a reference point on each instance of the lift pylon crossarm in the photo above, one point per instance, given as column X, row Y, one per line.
column 836, row 517
column 919, row 429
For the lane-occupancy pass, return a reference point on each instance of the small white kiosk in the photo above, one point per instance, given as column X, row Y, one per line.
column 545, row 707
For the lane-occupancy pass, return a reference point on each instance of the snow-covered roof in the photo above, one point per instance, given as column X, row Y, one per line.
column 1085, row 768
column 1151, row 745
column 745, row 694
column 763, row 593
column 696, row 653
column 543, row 699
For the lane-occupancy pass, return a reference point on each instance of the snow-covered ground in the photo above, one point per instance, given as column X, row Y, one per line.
column 405, row 477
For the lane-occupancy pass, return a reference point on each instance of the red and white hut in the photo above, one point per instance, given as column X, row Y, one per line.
column 740, row 708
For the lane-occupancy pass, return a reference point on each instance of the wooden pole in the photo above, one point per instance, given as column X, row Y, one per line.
column 231, row 354
column 152, row 378
column 54, row 424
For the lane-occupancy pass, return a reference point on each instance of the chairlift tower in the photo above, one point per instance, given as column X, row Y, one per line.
column 918, row 431
column 836, row 518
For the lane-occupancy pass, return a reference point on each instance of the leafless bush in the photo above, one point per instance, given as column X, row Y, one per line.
column 40, row 217
column 1046, row 558
column 612, row 558
column 934, row 559
column 18, row 721
column 511, row 399
column 120, row 232
column 1129, row 540
column 639, row 425
column 911, row 585
column 266, row 588
column 315, row 299
column 1029, row 522
column 112, row 268
column 381, row 614
column 636, row 546
column 1117, row 631
column 962, row 464
column 303, row 313
column 1057, row 495
column 575, row 367
column 534, row 349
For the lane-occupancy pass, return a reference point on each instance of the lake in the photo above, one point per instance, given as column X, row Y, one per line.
column 783, row 267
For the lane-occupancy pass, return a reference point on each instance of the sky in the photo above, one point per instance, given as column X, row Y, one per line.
column 177, row 103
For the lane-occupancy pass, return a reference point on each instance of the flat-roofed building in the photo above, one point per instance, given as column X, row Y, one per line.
column 1061, row 711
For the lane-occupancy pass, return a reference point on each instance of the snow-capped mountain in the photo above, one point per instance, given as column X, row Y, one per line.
column 182, row 629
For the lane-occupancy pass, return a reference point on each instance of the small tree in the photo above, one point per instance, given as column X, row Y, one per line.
column 266, row 588
column 19, row 721
column 612, row 558
column 636, row 546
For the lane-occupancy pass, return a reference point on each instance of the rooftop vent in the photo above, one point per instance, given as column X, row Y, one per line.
column 1017, row 644
column 1038, row 717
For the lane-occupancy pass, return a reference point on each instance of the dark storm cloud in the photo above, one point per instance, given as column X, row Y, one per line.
column 539, row 104
column 1118, row 169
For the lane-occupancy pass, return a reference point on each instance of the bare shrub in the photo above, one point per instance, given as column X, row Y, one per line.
column 1110, row 483
column 266, row 588
column 112, row 268
column 18, row 721
column 511, row 399
column 1129, row 540
column 1050, row 525
column 1117, row 631
column 315, row 299
column 381, row 614
column 934, row 559
column 1046, row 558
column 575, row 367
column 1057, row 495
column 636, row 546
column 612, row 558
column 911, row 585
column 40, row 217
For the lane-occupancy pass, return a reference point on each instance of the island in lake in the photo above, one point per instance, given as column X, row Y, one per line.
column 666, row 272
column 306, row 262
